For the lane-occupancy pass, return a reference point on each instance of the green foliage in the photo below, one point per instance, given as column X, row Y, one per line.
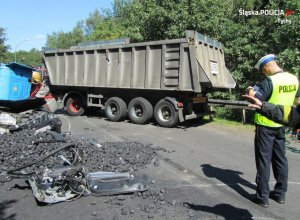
column 233, row 114
column 91, row 23
column 108, row 29
column 229, row 114
column 31, row 58
column 153, row 20
column 65, row 40
column 3, row 46
column 95, row 27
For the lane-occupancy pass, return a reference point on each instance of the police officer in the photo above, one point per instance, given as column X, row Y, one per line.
column 281, row 88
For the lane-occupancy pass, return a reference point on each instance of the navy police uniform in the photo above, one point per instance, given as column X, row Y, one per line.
column 280, row 88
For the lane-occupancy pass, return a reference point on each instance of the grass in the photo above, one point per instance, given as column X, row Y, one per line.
column 224, row 122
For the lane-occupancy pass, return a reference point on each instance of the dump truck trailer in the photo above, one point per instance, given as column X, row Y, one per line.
column 166, row 79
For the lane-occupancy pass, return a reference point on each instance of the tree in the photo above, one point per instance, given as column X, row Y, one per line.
column 64, row 40
column 108, row 29
column 3, row 47
column 95, row 27
column 101, row 27
column 285, row 39
column 31, row 58
column 90, row 24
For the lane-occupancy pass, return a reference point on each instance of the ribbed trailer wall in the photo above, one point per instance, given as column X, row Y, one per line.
column 188, row 64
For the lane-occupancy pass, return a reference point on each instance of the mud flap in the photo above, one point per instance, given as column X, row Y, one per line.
column 110, row 183
column 181, row 118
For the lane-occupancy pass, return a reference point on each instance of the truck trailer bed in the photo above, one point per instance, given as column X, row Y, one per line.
column 192, row 64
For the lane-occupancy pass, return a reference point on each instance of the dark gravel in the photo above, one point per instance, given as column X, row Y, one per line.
column 118, row 156
column 17, row 149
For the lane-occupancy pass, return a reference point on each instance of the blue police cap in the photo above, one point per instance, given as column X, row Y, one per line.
column 264, row 60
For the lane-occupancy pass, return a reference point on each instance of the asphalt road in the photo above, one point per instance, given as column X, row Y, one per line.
column 208, row 172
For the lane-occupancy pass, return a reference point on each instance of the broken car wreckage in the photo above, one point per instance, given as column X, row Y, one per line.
column 71, row 179
column 64, row 183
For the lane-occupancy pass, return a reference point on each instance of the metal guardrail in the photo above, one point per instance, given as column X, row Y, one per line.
column 229, row 104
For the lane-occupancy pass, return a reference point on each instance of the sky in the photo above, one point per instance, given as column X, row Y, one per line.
column 27, row 22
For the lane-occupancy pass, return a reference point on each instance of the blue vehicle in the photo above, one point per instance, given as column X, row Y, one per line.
column 15, row 82
column 15, row 87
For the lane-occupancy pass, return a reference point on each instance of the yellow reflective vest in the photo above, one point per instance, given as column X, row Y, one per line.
column 285, row 87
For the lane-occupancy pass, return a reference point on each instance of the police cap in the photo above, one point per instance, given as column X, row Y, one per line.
column 264, row 60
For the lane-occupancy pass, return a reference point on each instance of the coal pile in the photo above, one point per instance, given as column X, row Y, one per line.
column 118, row 156
column 18, row 149
column 22, row 147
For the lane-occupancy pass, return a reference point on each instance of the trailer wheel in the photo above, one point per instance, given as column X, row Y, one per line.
column 140, row 110
column 74, row 106
column 115, row 109
column 165, row 114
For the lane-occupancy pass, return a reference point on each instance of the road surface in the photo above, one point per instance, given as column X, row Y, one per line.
column 207, row 172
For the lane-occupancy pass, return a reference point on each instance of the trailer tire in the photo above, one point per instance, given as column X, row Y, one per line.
column 115, row 109
column 165, row 114
column 74, row 106
column 140, row 110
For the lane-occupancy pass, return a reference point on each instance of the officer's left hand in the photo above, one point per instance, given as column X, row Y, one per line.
column 255, row 102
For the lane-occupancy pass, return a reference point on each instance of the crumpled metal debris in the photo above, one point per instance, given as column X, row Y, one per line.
column 109, row 183
column 63, row 175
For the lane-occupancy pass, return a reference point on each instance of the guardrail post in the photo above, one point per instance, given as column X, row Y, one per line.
column 211, row 108
column 244, row 116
